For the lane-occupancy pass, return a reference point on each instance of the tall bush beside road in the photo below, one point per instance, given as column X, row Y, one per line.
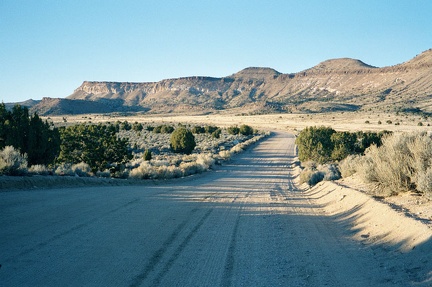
column 402, row 163
column 29, row 134
column 314, row 143
column 96, row 145
column 182, row 141
column 323, row 145
column 12, row 162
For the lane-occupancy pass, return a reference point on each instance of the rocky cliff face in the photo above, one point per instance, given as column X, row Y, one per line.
column 331, row 85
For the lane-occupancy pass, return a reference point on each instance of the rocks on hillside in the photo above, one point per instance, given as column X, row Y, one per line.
column 334, row 83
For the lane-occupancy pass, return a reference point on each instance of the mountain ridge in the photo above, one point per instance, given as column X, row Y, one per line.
column 335, row 84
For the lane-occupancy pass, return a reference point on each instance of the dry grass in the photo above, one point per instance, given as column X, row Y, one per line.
column 403, row 163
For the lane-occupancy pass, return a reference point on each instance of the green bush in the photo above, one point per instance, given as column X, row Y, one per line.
column 314, row 143
column 137, row 127
column 96, row 145
column 165, row 129
column 182, row 141
column 366, row 139
column 198, row 130
column 210, row 129
column 344, row 144
column 147, row 155
column 323, row 144
column 125, row 126
column 233, row 130
column 216, row 134
column 246, row 130
column 29, row 134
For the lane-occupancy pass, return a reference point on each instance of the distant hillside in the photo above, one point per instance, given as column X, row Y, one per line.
column 338, row 84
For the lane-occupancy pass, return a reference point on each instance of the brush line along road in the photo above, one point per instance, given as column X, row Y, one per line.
column 243, row 224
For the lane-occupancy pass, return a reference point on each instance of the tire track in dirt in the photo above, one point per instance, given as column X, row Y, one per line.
column 229, row 262
column 180, row 248
column 164, row 268
column 157, row 255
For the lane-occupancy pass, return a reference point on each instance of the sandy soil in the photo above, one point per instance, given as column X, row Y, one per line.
column 248, row 223
column 350, row 121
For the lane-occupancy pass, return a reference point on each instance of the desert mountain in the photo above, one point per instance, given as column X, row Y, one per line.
column 338, row 84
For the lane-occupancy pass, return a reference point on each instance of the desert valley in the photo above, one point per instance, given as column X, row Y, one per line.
column 247, row 216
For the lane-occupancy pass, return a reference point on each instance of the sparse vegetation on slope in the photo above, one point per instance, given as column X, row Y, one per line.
column 333, row 85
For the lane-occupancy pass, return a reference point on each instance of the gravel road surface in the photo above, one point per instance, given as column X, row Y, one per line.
column 244, row 224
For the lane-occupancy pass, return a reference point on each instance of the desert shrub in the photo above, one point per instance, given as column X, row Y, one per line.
column 39, row 169
column 344, row 144
column 12, row 162
column 189, row 168
column 310, row 174
column 137, row 127
column 424, row 182
column 233, row 130
column 147, row 155
column 366, row 139
column 330, row 171
column 182, row 141
column 165, row 129
column 225, row 154
column 210, row 129
column 144, row 171
column 349, row 165
column 313, row 173
column 246, row 130
column 311, row 177
column 125, row 126
column 237, row 148
column 157, row 130
column 64, row 169
column 314, row 143
column 205, row 161
column 81, row 169
column 399, row 164
column 198, row 130
column 216, row 134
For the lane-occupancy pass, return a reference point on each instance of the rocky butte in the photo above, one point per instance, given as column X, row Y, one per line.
column 333, row 85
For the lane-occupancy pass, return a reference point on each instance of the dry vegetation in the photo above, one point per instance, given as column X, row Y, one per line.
column 148, row 150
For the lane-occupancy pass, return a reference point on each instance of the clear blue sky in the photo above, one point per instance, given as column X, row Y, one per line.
column 49, row 47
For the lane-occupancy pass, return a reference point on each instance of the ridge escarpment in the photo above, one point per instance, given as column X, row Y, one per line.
column 331, row 85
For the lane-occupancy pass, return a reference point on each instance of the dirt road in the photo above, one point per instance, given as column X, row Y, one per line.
column 244, row 224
